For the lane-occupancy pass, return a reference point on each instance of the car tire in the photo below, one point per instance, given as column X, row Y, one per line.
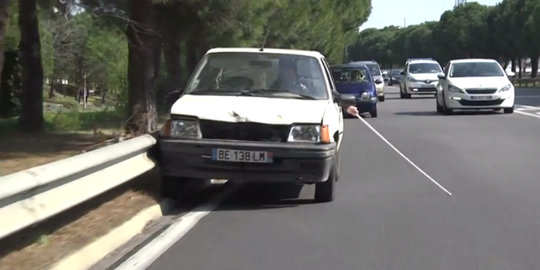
column 407, row 96
column 176, row 187
column 382, row 98
column 509, row 110
column 374, row 113
column 324, row 191
column 439, row 107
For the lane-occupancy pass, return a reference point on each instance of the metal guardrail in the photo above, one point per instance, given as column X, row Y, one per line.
column 526, row 82
column 30, row 196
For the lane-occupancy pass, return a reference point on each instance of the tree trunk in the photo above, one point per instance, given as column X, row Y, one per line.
column 534, row 66
column 31, row 118
column 4, row 16
column 171, row 51
column 143, row 45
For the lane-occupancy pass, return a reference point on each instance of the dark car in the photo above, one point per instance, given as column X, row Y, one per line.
column 395, row 76
column 355, row 79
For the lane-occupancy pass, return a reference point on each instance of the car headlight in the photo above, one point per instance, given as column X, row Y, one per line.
column 454, row 89
column 506, row 88
column 184, row 129
column 305, row 133
column 411, row 79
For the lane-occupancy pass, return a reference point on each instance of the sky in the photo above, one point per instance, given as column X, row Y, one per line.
column 397, row 12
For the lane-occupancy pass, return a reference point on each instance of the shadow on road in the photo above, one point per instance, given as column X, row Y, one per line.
column 265, row 196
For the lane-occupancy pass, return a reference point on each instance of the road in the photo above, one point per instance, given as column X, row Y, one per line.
column 387, row 215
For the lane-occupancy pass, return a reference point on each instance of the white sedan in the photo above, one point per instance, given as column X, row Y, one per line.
column 474, row 84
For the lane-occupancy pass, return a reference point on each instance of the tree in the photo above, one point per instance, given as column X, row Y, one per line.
column 31, row 118
column 144, row 46
column 4, row 16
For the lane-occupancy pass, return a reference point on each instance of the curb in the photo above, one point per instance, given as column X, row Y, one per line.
column 95, row 251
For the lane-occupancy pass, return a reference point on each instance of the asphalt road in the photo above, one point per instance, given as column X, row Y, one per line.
column 387, row 215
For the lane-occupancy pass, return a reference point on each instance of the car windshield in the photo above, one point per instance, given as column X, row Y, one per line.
column 374, row 69
column 260, row 74
column 355, row 75
column 476, row 69
column 424, row 68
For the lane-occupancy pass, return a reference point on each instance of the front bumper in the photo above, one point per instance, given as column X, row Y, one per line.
column 292, row 162
column 379, row 88
column 421, row 88
column 465, row 101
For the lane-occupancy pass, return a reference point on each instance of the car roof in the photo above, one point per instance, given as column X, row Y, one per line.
column 421, row 61
column 364, row 62
column 266, row 50
column 349, row 65
column 473, row 60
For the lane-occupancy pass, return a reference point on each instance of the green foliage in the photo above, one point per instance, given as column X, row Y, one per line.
column 509, row 30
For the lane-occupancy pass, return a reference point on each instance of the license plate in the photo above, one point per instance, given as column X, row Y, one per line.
column 481, row 97
column 232, row 155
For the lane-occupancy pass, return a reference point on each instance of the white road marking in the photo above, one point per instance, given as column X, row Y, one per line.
column 403, row 156
column 528, row 114
column 522, row 108
column 149, row 253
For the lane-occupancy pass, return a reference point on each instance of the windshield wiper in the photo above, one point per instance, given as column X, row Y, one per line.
column 279, row 91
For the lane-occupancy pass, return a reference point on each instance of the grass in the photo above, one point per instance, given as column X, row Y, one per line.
column 72, row 121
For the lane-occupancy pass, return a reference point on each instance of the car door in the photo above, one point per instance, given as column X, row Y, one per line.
column 335, row 104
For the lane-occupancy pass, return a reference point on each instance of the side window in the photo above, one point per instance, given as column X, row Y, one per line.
column 326, row 70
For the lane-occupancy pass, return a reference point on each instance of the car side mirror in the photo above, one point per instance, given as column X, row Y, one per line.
column 441, row 76
column 378, row 81
column 510, row 74
column 402, row 73
column 346, row 100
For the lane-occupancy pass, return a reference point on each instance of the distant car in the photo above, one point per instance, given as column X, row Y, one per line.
column 475, row 84
column 376, row 73
column 355, row 79
column 386, row 75
column 394, row 76
column 420, row 76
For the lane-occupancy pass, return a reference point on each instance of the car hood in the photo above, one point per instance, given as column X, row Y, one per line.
column 425, row 76
column 479, row 82
column 276, row 111
column 354, row 88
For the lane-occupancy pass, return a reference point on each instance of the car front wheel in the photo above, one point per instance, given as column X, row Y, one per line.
column 324, row 191
column 509, row 110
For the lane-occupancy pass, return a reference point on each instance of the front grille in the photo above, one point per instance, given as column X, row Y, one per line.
column 244, row 131
column 481, row 102
column 427, row 89
column 481, row 90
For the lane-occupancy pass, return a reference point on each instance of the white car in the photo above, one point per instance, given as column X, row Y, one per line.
column 256, row 115
column 475, row 84
column 420, row 76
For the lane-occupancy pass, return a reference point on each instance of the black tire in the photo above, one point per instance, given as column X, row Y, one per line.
column 382, row 98
column 509, row 110
column 439, row 107
column 407, row 96
column 177, row 187
column 170, row 187
column 324, row 191
column 373, row 113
